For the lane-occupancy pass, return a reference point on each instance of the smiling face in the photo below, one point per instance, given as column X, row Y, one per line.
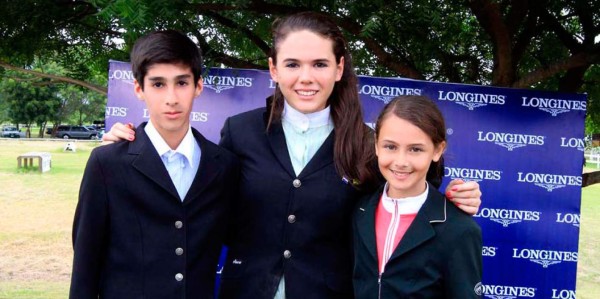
column 169, row 93
column 306, row 70
column 404, row 153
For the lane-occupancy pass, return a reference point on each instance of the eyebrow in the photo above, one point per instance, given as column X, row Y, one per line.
column 158, row 78
column 410, row 144
column 315, row 60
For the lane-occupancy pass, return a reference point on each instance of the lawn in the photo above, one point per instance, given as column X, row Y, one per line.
column 36, row 213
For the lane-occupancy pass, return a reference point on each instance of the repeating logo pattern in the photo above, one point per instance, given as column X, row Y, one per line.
column 471, row 174
column 471, row 100
column 577, row 143
column 221, row 83
column 507, row 217
column 545, row 258
column 568, row 218
column 549, row 182
column 534, row 135
column 553, row 106
column 505, row 292
column 387, row 93
column 510, row 140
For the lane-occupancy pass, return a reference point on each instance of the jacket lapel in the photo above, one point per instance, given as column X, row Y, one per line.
column 209, row 168
column 365, row 224
column 276, row 139
column 421, row 230
column 148, row 161
column 322, row 158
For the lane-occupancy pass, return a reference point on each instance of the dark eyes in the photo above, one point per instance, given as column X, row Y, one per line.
column 161, row 84
column 393, row 147
column 295, row 65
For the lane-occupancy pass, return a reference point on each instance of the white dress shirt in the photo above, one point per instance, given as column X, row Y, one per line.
column 181, row 163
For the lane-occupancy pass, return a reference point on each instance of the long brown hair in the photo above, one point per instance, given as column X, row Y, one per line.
column 422, row 112
column 352, row 136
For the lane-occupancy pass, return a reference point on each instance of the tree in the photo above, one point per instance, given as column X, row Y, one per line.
column 524, row 44
column 30, row 103
column 32, row 99
column 545, row 44
column 548, row 44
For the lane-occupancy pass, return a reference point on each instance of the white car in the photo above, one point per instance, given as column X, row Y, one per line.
column 11, row 132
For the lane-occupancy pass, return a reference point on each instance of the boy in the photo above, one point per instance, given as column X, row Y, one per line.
column 151, row 215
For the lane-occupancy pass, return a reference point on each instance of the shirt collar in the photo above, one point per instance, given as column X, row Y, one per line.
column 306, row 121
column 186, row 147
column 407, row 205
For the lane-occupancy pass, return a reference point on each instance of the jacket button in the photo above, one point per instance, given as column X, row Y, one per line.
column 179, row 251
column 292, row 218
column 287, row 254
column 178, row 224
column 179, row 277
column 297, row 183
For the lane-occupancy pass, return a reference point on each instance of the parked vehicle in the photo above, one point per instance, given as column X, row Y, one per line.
column 100, row 133
column 76, row 132
column 11, row 132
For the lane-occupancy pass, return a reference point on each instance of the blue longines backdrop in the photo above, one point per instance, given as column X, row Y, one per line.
column 524, row 147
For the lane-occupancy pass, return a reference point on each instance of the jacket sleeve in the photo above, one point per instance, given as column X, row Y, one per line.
column 89, row 232
column 226, row 141
column 464, row 269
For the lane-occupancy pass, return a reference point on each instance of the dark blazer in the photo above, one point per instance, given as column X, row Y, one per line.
column 132, row 235
column 438, row 257
column 298, row 227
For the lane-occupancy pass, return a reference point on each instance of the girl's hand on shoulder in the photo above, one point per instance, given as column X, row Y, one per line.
column 465, row 195
column 119, row 132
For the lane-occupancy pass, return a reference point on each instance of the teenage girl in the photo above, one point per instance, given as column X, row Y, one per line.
column 409, row 241
column 304, row 165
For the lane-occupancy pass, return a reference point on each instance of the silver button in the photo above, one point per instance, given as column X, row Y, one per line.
column 297, row 183
column 178, row 224
column 179, row 277
column 179, row 251
column 292, row 218
column 287, row 254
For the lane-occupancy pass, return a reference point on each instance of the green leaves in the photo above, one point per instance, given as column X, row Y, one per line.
column 510, row 43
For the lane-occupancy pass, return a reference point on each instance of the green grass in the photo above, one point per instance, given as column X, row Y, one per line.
column 33, row 290
column 588, row 266
column 36, row 214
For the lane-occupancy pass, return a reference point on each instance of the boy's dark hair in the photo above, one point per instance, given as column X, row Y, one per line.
column 168, row 46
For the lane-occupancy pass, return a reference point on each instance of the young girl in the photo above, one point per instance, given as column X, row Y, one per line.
column 304, row 165
column 408, row 241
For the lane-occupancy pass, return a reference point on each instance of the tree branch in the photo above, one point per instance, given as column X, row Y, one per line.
column 563, row 35
column 257, row 40
column 583, row 59
column 221, row 57
column 519, row 10
column 489, row 16
column 523, row 40
column 384, row 58
column 90, row 86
